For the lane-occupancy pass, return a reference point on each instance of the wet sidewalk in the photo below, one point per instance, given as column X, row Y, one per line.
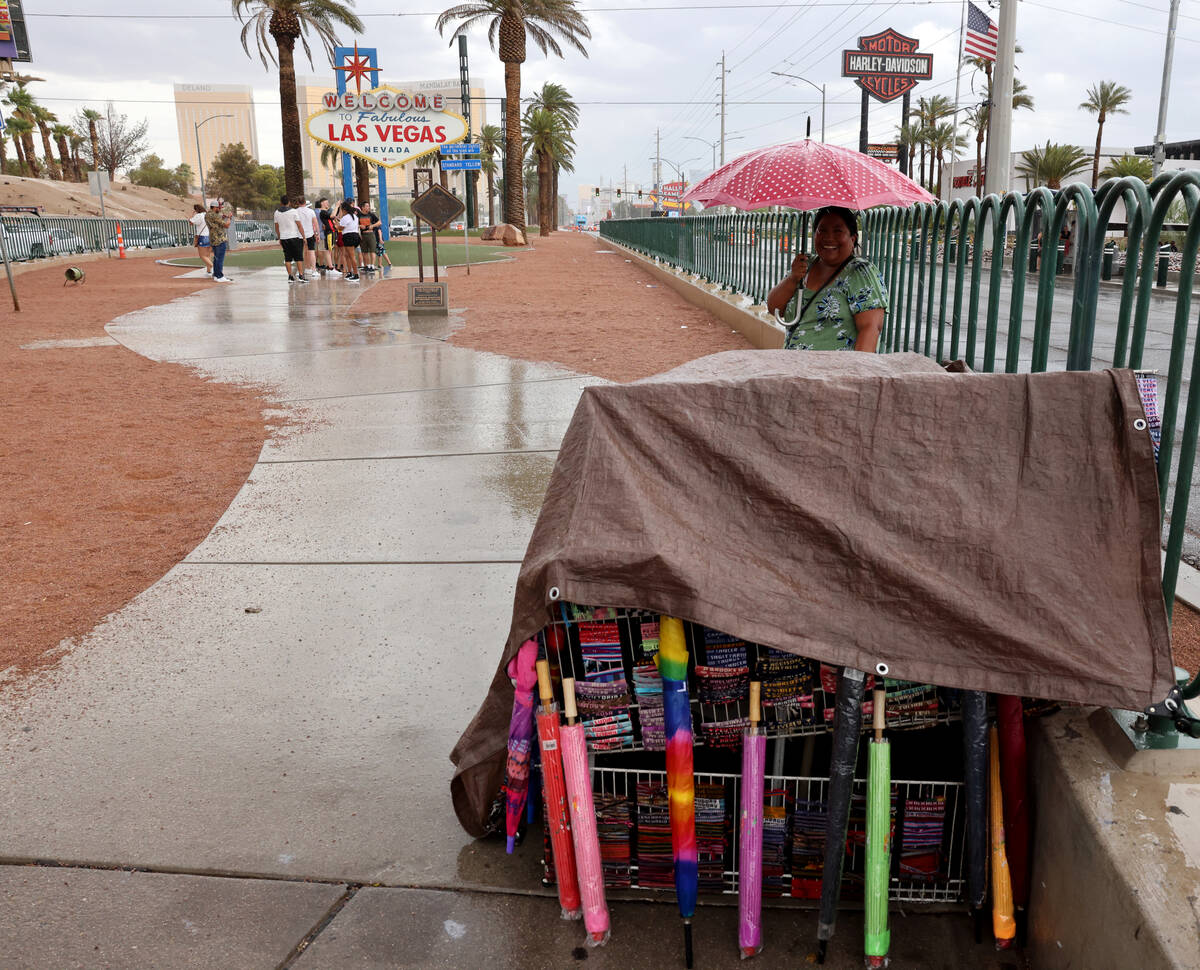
column 248, row 765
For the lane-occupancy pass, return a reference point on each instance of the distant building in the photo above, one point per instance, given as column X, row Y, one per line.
column 194, row 103
column 309, row 92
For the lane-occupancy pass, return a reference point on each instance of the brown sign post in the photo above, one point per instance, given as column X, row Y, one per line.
column 886, row 66
column 437, row 207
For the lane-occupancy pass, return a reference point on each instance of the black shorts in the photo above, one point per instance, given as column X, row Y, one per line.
column 293, row 250
column 351, row 240
column 311, row 242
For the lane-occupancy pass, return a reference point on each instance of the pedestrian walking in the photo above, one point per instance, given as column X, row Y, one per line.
column 351, row 239
column 203, row 246
column 289, row 230
column 217, row 220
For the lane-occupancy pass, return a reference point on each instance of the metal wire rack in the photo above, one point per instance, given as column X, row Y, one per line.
column 927, row 858
column 609, row 651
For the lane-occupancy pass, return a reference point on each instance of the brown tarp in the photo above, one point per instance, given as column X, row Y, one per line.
column 990, row 531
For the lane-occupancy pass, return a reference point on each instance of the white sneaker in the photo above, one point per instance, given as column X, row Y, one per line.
column 222, row 279
column 332, row 272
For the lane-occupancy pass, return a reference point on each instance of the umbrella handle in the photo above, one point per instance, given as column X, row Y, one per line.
column 787, row 324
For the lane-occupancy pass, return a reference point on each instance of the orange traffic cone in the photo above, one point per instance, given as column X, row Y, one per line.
column 120, row 243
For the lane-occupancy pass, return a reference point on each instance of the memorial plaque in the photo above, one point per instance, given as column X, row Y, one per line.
column 437, row 207
column 427, row 298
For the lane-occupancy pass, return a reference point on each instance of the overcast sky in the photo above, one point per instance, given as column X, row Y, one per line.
column 653, row 65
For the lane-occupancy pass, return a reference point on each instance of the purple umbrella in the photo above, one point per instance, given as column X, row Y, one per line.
column 520, row 736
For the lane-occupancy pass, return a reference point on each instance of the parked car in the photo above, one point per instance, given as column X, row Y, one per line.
column 26, row 241
column 401, row 226
column 65, row 241
column 458, row 226
column 139, row 237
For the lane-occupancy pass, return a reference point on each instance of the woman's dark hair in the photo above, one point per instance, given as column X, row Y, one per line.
column 849, row 219
column 198, row 207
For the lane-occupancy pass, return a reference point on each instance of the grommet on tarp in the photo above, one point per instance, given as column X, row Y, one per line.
column 1140, row 424
column 554, row 593
column 882, row 669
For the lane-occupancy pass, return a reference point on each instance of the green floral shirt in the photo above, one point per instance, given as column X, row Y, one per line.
column 217, row 233
column 827, row 316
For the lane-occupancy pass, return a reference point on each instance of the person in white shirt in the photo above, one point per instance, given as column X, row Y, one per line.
column 348, row 221
column 308, row 225
column 203, row 249
column 290, row 233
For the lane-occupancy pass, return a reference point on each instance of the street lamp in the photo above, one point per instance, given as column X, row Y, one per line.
column 199, row 159
column 678, row 166
column 810, row 84
column 714, row 144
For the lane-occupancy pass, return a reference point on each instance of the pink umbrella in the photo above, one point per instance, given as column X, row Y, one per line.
column 806, row 175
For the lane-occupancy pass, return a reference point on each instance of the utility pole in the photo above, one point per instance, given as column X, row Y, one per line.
column 464, row 81
column 904, row 144
column 1160, row 135
column 723, row 72
column 862, row 124
column 999, row 154
column 658, row 165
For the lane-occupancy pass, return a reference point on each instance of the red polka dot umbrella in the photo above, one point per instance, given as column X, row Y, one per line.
column 806, row 175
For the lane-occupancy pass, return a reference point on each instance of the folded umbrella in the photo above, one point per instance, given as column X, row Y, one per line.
column 1003, row 925
column 554, row 788
column 754, row 769
column 520, row 737
column 847, row 724
column 672, row 662
column 806, row 175
column 583, row 821
column 877, row 937
column 975, row 759
column 1014, row 778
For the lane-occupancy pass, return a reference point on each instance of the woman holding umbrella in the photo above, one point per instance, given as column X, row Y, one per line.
column 841, row 297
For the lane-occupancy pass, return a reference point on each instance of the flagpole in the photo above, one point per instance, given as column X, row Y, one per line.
column 962, row 26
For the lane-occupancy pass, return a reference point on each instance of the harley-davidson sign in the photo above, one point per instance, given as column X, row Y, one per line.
column 887, row 65
column 386, row 126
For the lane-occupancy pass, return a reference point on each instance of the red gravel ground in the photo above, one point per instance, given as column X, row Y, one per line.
column 112, row 467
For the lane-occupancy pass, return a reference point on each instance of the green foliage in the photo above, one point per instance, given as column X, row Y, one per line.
column 237, row 178
column 1052, row 164
column 1139, row 166
column 151, row 172
column 292, row 19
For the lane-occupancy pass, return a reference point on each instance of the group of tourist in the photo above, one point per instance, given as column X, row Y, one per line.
column 315, row 239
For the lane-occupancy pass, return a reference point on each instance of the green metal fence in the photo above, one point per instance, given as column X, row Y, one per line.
column 960, row 275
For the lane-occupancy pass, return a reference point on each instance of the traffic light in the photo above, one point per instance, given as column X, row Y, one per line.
column 639, row 194
column 597, row 192
column 618, row 193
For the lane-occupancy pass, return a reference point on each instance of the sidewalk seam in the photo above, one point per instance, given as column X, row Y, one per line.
column 319, row 927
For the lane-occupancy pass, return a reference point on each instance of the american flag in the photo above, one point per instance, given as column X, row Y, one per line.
column 981, row 35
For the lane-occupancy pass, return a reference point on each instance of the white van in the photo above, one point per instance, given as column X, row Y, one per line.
column 401, row 226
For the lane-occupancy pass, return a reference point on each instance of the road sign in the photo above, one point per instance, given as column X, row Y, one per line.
column 98, row 183
column 461, row 148
column 437, row 207
column 461, row 164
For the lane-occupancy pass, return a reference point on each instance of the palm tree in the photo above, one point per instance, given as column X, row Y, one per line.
column 1104, row 99
column 549, row 142
column 76, row 140
column 929, row 112
column 3, row 152
column 911, row 137
column 91, row 116
column 24, row 108
column 1051, row 164
column 1137, row 165
column 22, row 135
column 513, row 21
column 979, row 118
column 558, row 101
column 61, row 134
column 287, row 21
column 490, row 138
column 44, row 118
column 942, row 138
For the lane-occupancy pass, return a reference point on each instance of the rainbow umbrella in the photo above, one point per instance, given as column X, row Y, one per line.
column 847, row 724
column 554, row 788
column 520, row 738
column 583, row 821
column 672, row 662
column 754, row 768
column 879, row 840
column 1003, row 925
column 975, row 758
